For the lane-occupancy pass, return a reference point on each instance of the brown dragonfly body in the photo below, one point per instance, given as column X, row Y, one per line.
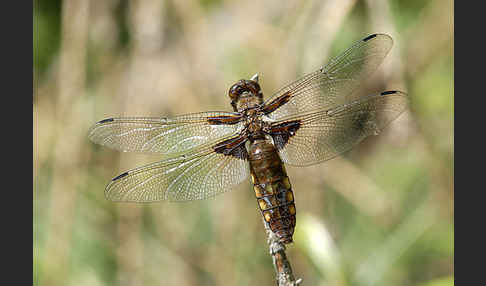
column 272, row 189
column 270, row 181
column 307, row 122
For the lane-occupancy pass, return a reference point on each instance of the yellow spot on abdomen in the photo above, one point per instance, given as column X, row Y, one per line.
column 258, row 191
column 292, row 209
column 263, row 204
column 286, row 183
column 252, row 178
column 267, row 216
column 290, row 196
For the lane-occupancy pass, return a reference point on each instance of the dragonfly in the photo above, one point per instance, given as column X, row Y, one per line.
column 306, row 122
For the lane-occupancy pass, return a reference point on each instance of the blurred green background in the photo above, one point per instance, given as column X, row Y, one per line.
column 381, row 214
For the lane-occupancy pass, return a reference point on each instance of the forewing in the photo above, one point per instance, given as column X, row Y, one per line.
column 315, row 137
column 196, row 175
column 332, row 84
column 164, row 135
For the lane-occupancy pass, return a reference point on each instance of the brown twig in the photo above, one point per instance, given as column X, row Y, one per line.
column 283, row 270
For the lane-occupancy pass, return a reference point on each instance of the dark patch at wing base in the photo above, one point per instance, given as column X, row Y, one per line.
column 224, row 119
column 233, row 147
column 281, row 133
column 279, row 101
column 361, row 120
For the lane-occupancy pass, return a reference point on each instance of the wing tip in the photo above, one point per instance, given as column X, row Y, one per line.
column 109, row 195
column 382, row 36
column 93, row 130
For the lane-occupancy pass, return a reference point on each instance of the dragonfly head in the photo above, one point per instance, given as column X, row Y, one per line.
column 245, row 94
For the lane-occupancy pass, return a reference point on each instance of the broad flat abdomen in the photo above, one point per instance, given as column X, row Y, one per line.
column 272, row 189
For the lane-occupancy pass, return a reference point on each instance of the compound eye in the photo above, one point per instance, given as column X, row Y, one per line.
column 235, row 91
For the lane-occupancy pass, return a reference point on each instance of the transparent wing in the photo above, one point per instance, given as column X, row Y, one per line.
column 332, row 84
column 164, row 135
column 196, row 175
column 324, row 134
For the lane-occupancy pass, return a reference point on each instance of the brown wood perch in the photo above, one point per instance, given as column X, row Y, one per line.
column 281, row 264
